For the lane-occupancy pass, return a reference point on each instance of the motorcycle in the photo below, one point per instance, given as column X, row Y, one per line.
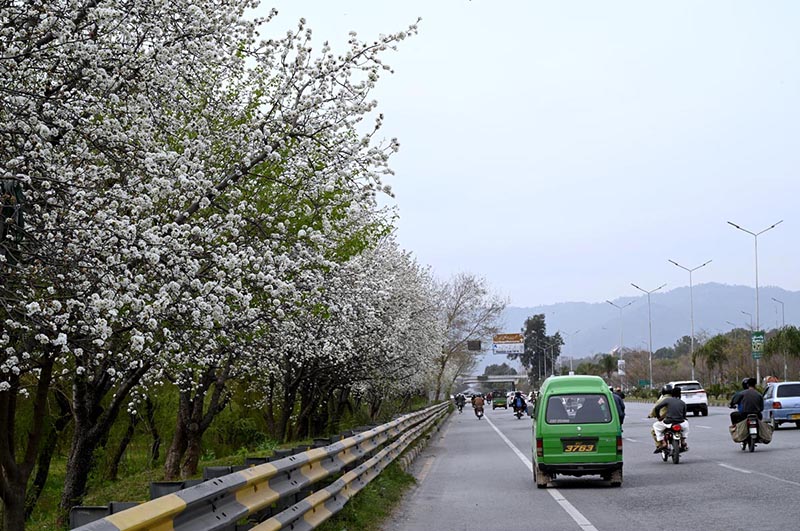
column 752, row 433
column 673, row 436
column 518, row 412
column 460, row 408
column 479, row 412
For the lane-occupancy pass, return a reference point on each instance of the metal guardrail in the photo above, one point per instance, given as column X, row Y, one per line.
column 236, row 500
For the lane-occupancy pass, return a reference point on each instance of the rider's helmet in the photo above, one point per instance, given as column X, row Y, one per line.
column 744, row 383
column 518, row 393
column 666, row 390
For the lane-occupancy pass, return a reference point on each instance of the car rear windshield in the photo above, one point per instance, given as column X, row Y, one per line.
column 788, row 390
column 577, row 409
column 690, row 386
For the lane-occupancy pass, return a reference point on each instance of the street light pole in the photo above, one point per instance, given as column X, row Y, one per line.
column 620, row 308
column 783, row 326
column 570, row 335
column 755, row 236
column 649, row 326
column 691, row 303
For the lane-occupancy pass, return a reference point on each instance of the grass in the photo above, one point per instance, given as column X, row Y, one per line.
column 366, row 511
column 370, row 507
column 133, row 485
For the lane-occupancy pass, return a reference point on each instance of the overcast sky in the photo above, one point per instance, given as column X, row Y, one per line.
column 565, row 149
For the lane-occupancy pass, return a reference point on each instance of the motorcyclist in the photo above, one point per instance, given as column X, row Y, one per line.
column 748, row 402
column 460, row 401
column 675, row 414
column 519, row 403
column 620, row 403
column 477, row 404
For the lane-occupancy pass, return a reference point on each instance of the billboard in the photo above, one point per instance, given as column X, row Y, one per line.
column 508, row 344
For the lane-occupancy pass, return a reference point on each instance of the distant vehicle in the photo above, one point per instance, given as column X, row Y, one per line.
column 693, row 394
column 782, row 403
column 499, row 399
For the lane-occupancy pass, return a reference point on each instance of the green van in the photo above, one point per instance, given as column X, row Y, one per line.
column 499, row 399
column 576, row 430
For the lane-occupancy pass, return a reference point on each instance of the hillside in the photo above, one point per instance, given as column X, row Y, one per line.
column 714, row 304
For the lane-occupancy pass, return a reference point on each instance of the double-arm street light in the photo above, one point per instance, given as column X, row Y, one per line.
column 691, row 303
column 620, row 308
column 783, row 326
column 751, row 319
column 649, row 327
column 755, row 236
column 570, row 336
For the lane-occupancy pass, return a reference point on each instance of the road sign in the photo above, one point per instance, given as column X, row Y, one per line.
column 644, row 383
column 757, row 344
column 621, row 367
column 508, row 344
column 508, row 338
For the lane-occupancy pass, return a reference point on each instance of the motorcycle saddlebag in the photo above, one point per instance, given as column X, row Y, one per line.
column 764, row 432
column 740, row 433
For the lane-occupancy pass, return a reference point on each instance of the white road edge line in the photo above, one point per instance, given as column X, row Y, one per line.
column 631, row 440
column 426, row 468
column 742, row 470
column 576, row 515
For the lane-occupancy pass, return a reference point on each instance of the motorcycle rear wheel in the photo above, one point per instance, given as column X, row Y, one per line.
column 676, row 450
column 751, row 444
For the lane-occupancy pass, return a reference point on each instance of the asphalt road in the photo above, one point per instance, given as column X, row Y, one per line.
column 475, row 475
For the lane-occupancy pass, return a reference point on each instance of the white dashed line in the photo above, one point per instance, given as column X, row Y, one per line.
column 743, row 471
column 576, row 515
column 729, row 467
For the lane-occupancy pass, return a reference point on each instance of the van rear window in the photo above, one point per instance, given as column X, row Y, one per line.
column 577, row 409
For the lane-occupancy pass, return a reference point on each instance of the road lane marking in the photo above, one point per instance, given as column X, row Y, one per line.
column 576, row 515
column 704, row 427
column 742, row 470
column 631, row 440
column 425, row 469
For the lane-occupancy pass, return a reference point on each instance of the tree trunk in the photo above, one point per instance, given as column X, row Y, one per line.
column 92, row 425
column 14, row 508
column 175, row 453
column 46, row 454
column 79, row 465
column 150, row 411
column 14, row 475
column 440, row 377
column 192, row 454
column 113, row 468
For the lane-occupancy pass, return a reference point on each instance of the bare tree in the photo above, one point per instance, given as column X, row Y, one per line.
column 469, row 311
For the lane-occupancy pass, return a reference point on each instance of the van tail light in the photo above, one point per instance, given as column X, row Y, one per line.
column 619, row 444
column 776, row 405
column 539, row 447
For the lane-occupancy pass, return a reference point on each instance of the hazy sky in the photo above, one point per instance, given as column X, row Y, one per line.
column 565, row 149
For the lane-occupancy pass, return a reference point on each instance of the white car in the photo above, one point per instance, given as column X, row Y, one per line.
column 693, row 394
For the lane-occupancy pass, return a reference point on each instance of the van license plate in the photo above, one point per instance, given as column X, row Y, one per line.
column 579, row 447
column 795, row 416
